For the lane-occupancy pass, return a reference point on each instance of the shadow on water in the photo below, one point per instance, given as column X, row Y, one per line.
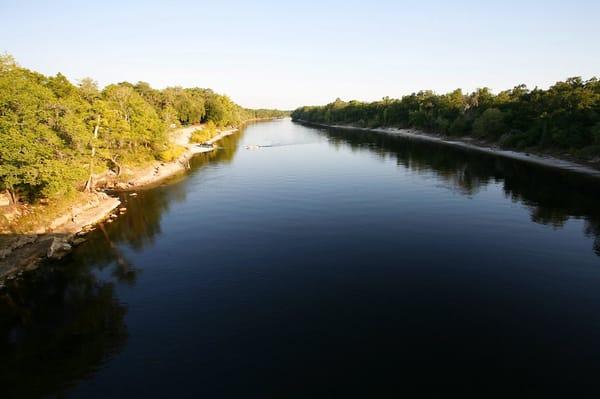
column 142, row 223
column 57, row 326
column 553, row 196
column 63, row 321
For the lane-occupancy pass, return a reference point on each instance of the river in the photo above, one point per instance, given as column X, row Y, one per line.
column 327, row 263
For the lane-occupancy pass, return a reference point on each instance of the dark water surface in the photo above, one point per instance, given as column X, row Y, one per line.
column 331, row 264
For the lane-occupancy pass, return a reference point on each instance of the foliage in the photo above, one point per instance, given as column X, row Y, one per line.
column 171, row 153
column 490, row 123
column 47, row 125
column 564, row 117
column 188, row 104
column 208, row 131
column 41, row 129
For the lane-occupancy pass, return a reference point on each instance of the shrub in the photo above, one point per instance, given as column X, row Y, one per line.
column 171, row 153
column 596, row 133
column 206, row 133
column 591, row 152
column 490, row 123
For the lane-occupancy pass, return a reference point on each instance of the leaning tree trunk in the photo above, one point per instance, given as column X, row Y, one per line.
column 14, row 198
column 116, row 164
column 89, row 184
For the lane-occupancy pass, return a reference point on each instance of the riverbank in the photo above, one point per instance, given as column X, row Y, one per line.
column 26, row 249
column 567, row 163
column 157, row 172
column 35, row 233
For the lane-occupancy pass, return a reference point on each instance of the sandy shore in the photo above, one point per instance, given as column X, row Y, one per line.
column 465, row 142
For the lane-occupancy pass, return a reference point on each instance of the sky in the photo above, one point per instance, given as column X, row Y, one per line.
column 284, row 54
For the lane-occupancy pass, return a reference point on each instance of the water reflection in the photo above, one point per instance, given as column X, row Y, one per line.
column 141, row 225
column 57, row 327
column 61, row 322
column 64, row 322
column 553, row 196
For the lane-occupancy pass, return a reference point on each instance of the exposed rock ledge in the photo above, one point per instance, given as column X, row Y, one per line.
column 20, row 252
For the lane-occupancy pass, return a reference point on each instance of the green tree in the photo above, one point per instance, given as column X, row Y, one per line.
column 55, row 135
column 490, row 123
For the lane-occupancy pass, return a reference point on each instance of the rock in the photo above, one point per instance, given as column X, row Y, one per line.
column 121, row 186
column 59, row 221
column 10, row 244
column 78, row 241
column 4, row 200
column 59, row 248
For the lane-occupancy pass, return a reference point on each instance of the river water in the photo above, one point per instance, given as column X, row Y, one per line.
column 329, row 263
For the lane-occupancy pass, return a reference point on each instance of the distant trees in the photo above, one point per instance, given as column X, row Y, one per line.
column 216, row 110
column 53, row 134
column 565, row 117
column 490, row 123
column 188, row 104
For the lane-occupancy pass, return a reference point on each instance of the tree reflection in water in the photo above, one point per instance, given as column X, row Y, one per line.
column 62, row 322
column 58, row 325
column 553, row 196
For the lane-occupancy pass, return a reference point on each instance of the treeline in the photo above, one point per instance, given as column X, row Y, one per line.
column 53, row 133
column 564, row 117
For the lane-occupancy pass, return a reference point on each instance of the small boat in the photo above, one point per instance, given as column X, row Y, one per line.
column 252, row 147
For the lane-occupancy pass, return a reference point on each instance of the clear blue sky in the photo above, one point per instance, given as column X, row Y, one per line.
column 285, row 54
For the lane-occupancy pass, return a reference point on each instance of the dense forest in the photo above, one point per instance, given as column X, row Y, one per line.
column 54, row 133
column 566, row 117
